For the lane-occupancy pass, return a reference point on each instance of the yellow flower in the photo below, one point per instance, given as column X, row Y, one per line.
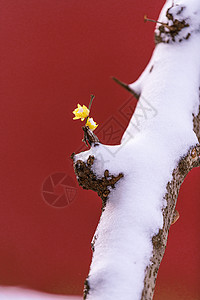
column 81, row 112
column 91, row 124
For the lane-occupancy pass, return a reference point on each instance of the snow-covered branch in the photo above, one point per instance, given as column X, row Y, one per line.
column 139, row 179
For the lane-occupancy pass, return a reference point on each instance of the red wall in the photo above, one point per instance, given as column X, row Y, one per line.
column 54, row 54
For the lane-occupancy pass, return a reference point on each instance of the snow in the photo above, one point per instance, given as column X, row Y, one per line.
column 149, row 151
column 182, row 11
column 13, row 293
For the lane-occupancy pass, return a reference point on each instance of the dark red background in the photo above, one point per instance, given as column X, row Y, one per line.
column 54, row 54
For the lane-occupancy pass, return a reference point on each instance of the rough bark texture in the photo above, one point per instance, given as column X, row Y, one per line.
column 186, row 164
column 87, row 179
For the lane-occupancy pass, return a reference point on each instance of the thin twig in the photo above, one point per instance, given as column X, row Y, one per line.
column 126, row 86
column 89, row 107
column 171, row 28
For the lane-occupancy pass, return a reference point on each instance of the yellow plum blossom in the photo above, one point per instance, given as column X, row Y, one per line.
column 81, row 112
column 91, row 124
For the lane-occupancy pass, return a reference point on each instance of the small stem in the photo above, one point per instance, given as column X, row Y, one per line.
column 91, row 99
column 124, row 85
column 89, row 107
column 150, row 20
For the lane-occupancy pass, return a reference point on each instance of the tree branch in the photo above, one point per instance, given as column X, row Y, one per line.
column 139, row 180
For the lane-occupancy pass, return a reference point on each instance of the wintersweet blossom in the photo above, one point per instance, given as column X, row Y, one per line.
column 81, row 112
column 91, row 124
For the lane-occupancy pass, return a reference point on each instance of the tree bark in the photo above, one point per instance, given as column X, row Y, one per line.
column 178, row 33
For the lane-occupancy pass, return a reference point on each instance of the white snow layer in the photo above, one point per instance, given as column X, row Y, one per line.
column 150, row 150
column 13, row 293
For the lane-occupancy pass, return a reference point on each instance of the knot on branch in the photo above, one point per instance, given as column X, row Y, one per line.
column 88, row 180
column 175, row 217
column 167, row 33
